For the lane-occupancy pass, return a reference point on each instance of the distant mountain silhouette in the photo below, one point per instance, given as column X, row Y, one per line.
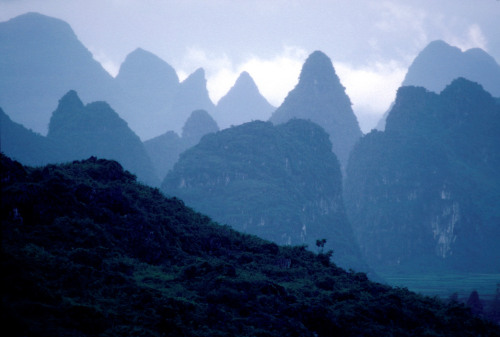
column 192, row 95
column 243, row 103
column 197, row 125
column 149, row 85
column 164, row 150
column 282, row 183
column 40, row 60
column 95, row 129
column 438, row 64
column 424, row 195
column 320, row 97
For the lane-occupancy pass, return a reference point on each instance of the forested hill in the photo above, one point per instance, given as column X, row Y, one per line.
column 424, row 195
column 282, row 183
column 86, row 250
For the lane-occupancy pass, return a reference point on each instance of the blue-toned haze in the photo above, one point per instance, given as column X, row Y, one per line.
column 371, row 43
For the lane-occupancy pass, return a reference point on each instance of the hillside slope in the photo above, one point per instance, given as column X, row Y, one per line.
column 86, row 251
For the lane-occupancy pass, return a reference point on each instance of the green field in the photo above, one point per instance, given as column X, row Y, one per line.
column 443, row 285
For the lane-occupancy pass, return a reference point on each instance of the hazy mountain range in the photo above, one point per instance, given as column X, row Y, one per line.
column 146, row 93
column 421, row 196
column 438, row 64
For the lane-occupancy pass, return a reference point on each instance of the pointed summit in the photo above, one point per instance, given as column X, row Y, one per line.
column 71, row 101
column 243, row 103
column 192, row 95
column 246, row 81
column 95, row 129
column 69, row 108
column 320, row 97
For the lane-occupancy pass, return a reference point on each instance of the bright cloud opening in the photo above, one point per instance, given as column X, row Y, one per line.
column 371, row 89
column 274, row 77
column 474, row 38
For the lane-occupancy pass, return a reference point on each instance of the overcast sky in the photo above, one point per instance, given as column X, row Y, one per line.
column 371, row 43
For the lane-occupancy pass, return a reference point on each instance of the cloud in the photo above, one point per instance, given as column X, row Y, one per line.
column 474, row 38
column 371, row 88
column 109, row 65
column 402, row 22
column 275, row 76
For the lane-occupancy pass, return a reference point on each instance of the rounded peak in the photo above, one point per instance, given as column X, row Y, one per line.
column 318, row 55
column 439, row 47
column 481, row 56
column 318, row 68
column 140, row 64
column 438, row 44
column 317, row 59
column 70, row 100
column 461, row 88
column 36, row 22
column 246, row 81
column 198, row 124
column 141, row 53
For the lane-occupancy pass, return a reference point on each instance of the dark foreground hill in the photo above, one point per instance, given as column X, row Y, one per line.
column 86, row 250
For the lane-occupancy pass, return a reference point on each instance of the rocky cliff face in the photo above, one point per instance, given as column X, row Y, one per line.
column 282, row 183
column 243, row 103
column 320, row 97
column 425, row 193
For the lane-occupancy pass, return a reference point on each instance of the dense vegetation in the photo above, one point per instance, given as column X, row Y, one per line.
column 425, row 194
column 86, row 250
column 281, row 183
